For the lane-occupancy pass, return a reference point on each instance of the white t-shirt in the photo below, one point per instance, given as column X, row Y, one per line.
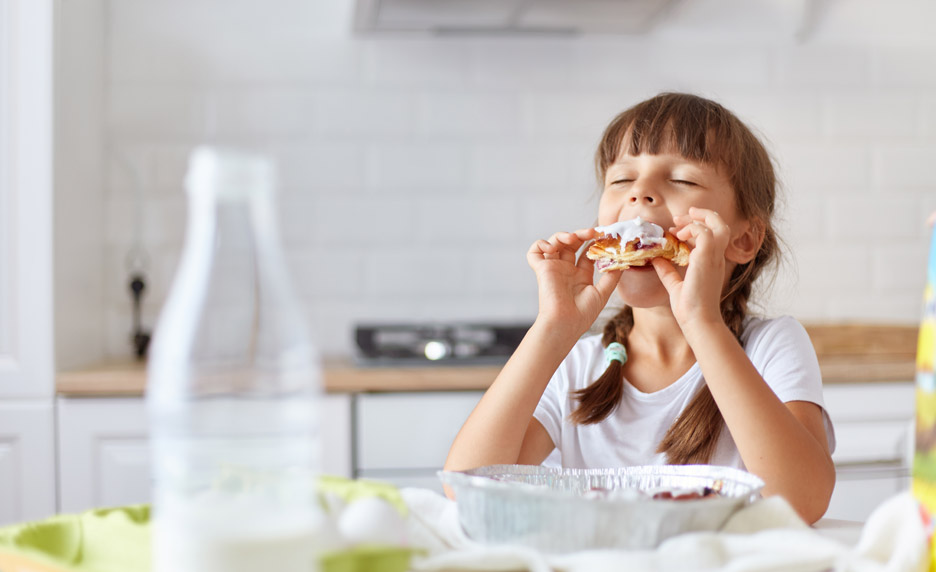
column 779, row 348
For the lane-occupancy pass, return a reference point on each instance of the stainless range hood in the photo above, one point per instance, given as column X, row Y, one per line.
column 509, row 16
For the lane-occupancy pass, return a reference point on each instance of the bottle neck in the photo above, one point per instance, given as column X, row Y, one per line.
column 231, row 323
column 239, row 226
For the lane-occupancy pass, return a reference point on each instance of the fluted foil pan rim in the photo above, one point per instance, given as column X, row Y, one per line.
column 545, row 507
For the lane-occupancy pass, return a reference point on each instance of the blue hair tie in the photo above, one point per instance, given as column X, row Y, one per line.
column 615, row 352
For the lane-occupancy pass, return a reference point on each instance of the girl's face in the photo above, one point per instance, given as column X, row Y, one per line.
column 657, row 188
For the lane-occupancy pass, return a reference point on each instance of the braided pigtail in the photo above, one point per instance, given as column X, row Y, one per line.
column 599, row 399
column 693, row 436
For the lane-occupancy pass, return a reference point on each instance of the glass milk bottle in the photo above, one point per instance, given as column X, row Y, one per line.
column 233, row 387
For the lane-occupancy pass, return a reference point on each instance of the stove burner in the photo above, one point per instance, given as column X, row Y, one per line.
column 457, row 343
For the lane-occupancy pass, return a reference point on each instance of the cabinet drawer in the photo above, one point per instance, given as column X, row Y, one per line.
column 103, row 453
column 861, row 489
column 867, row 401
column 873, row 421
column 873, row 442
column 408, row 430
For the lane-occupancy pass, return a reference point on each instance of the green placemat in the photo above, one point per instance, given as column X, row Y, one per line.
column 118, row 539
column 104, row 540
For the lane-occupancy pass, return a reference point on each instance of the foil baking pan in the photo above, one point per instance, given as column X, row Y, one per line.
column 566, row 510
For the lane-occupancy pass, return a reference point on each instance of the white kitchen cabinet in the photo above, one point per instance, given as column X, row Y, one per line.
column 27, row 461
column 336, row 434
column 104, row 450
column 403, row 438
column 861, row 489
column 27, row 445
column 874, row 425
column 26, row 361
column 103, row 453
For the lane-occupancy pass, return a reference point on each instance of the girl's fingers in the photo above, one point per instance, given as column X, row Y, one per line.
column 574, row 240
column 541, row 247
column 682, row 220
column 606, row 284
column 715, row 222
column 668, row 274
column 566, row 244
column 585, row 234
column 561, row 245
column 585, row 263
column 709, row 218
column 539, row 251
column 700, row 223
column 692, row 231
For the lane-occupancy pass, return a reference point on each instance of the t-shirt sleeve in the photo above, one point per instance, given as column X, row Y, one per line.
column 782, row 352
column 577, row 370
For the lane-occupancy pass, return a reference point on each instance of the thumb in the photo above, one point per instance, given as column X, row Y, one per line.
column 607, row 283
column 667, row 273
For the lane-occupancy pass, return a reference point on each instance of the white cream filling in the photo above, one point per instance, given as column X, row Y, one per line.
column 628, row 230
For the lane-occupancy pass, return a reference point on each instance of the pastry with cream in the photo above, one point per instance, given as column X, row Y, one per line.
column 635, row 242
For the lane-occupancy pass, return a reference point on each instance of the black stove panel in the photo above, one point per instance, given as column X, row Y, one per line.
column 448, row 344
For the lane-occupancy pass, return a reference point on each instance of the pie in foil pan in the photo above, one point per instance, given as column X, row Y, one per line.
column 565, row 510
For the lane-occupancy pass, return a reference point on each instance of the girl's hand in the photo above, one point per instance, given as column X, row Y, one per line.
column 567, row 292
column 696, row 299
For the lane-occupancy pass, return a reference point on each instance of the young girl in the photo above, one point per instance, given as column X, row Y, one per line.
column 689, row 376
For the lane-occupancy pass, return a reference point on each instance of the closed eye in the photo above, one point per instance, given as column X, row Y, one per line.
column 622, row 181
column 684, row 182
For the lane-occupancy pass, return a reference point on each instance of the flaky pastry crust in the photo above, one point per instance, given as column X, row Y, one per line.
column 608, row 254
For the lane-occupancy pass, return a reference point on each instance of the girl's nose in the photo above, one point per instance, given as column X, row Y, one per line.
column 642, row 196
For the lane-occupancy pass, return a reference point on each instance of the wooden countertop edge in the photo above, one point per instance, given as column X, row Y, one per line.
column 842, row 370
column 129, row 379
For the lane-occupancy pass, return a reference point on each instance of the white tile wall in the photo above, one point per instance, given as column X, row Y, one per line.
column 878, row 115
column 823, row 67
column 262, row 112
column 928, row 117
column 905, row 167
column 815, row 167
column 415, row 171
column 147, row 112
column 893, row 216
column 904, row 67
column 81, row 174
column 779, row 114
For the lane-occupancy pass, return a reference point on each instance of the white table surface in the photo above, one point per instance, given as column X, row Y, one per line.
column 845, row 531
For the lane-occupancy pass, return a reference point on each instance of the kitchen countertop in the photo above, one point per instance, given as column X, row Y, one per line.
column 848, row 353
column 129, row 379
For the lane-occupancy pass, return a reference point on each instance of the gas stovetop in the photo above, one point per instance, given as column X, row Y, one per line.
column 436, row 344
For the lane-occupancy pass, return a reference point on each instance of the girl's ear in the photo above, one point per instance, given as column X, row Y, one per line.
column 743, row 246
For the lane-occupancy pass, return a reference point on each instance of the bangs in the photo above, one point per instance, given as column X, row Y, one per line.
column 695, row 128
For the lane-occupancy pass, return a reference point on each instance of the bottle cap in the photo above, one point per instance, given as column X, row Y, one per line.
column 229, row 173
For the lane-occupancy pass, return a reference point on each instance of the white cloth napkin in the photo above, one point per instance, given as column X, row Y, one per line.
column 767, row 535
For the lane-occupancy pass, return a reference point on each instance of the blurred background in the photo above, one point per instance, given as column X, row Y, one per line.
column 424, row 144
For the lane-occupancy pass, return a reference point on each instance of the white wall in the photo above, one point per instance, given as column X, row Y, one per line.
column 416, row 171
column 78, row 203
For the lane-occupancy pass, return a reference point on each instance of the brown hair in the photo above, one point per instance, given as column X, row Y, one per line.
column 704, row 131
